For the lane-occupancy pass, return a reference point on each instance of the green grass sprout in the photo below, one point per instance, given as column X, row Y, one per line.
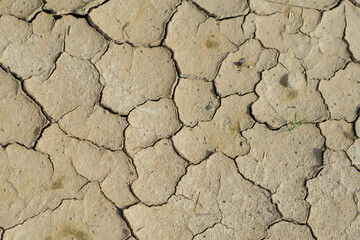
column 291, row 126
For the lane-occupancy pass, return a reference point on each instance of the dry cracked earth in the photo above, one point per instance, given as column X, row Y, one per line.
column 167, row 120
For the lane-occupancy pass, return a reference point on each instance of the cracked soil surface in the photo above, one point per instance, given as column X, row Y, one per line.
column 169, row 119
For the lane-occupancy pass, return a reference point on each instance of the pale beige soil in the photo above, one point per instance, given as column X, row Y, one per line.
column 169, row 119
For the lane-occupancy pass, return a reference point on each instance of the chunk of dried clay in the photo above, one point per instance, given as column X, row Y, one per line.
column 231, row 28
column 112, row 168
column 35, row 57
column 24, row 181
column 339, row 134
column 116, row 185
column 333, row 196
column 341, row 93
column 332, row 23
column 159, row 169
column 224, row 9
column 329, row 51
column 12, row 30
column 357, row 125
column 197, row 42
column 289, row 230
column 219, row 231
column 281, row 93
column 21, row 119
column 139, row 22
column 81, row 7
column 132, row 76
column 81, row 40
column 281, row 162
column 76, row 78
column 240, row 71
column 203, row 198
column 65, row 182
column 281, row 31
column 150, row 122
column 311, row 19
column 352, row 31
column 264, row 7
column 88, row 123
column 321, row 5
column 91, row 217
column 43, row 24
column 196, row 101
column 222, row 133
column 30, row 55
column 354, row 153
column 24, row 9
column 172, row 218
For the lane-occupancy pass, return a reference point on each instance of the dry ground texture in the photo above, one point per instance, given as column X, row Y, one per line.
column 171, row 119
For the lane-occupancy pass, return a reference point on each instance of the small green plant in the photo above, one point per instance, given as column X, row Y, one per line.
column 291, row 126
